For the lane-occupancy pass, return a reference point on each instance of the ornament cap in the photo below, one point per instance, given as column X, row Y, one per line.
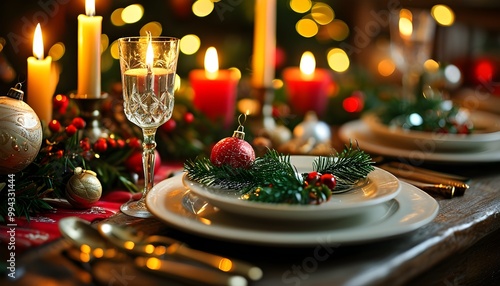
column 16, row 92
column 239, row 134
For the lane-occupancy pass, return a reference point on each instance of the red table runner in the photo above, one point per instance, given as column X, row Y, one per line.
column 43, row 228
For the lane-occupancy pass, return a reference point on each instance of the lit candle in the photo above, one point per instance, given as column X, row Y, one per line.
column 89, row 52
column 40, row 89
column 307, row 87
column 214, row 89
column 264, row 47
column 148, row 79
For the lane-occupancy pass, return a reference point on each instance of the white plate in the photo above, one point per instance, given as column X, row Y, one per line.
column 485, row 136
column 411, row 209
column 380, row 187
column 359, row 131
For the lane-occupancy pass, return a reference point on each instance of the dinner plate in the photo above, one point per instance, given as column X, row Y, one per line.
column 486, row 135
column 359, row 131
column 170, row 202
column 380, row 186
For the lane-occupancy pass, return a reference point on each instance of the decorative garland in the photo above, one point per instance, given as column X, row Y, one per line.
column 273, row 179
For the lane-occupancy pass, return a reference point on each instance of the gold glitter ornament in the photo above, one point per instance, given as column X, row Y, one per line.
column 83, row 188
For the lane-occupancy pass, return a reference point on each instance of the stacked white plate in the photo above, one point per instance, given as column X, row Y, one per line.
column 483, row 145
column 379, row 208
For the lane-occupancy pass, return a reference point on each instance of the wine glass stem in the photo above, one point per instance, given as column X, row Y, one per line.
column 411, row 79
column 148, row 159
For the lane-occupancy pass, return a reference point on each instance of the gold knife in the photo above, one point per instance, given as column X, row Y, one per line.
column 416, row 176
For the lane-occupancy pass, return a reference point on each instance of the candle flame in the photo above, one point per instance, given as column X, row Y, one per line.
column 149, row 54
column 405, row 23
column 307, row 64
column 38, row 43
column 211, row 63
column 90, row 7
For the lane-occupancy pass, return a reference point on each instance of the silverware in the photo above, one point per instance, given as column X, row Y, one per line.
column 90, row 243
column 431, row 181
column 156, row 245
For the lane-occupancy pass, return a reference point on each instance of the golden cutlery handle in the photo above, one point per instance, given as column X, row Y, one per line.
column 187, row 272
column 222, row 263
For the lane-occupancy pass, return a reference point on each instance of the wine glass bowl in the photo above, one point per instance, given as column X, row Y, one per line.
column 148, row 66
column 412, row 33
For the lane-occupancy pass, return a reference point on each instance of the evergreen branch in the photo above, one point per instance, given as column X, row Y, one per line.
column 349, row 166
column 273, row 179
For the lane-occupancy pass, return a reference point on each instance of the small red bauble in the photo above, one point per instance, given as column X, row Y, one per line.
column 233, row 151
column 70, row 130
column 54, row 126
column 78, row 122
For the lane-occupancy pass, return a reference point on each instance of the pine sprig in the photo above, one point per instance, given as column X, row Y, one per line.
column 273, row 179
column 348, row 166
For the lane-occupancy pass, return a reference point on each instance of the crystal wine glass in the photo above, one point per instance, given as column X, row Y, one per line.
column 412, row 34
column 148, row 65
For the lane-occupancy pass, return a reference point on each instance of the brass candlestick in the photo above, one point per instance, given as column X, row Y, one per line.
column 90, row 111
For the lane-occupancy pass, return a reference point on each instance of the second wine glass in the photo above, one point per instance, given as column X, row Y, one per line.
column 148, row 66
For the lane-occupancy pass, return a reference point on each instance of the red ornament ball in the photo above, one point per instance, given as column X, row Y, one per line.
column 232, row 151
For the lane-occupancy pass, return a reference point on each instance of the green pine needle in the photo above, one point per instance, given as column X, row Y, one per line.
column 273, row 179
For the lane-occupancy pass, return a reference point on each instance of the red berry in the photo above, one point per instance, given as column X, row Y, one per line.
column 134, row 142
column 120, row 143
column 188, row 117
column 54, row 126
column 328, row 180
column 112, row 142
column 60, row 101
column 169, row 126
column 313, row 177
column 85, row 144
column 78, row 122
column 100, row 145
column 232, row 151
column 59, row 154
column 70, row 130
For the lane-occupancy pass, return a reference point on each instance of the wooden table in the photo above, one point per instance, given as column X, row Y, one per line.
column 461, row 246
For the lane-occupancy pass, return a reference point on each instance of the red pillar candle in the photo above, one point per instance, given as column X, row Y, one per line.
column 307, row 87
column 215, row 90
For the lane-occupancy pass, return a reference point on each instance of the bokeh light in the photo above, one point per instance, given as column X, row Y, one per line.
column 57, row 51
column 338, row 30
column 307, row 28
column 154, row 28
column 452, row 74
column 202, row 8
column 386, row 67
column 189, row 44
column 322, row 13
column 300, row 6
column 338, row 60
column 132, row 13
column 431, row 65
column 443, row 15
column 116, row 17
